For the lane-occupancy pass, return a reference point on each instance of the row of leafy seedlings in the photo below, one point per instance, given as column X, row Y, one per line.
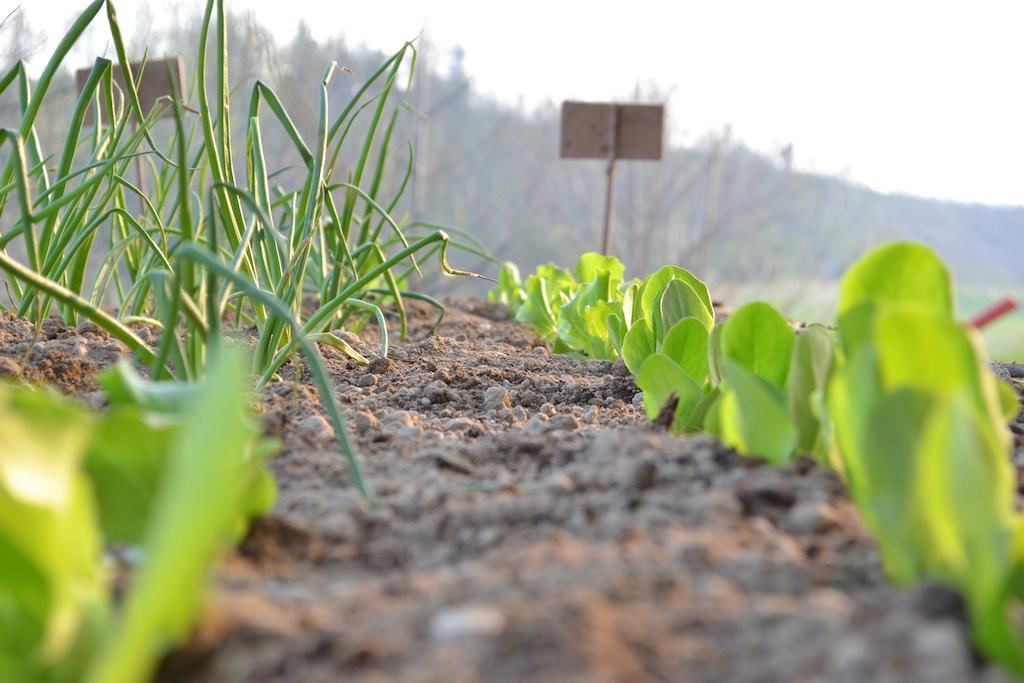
column 174, row 470
column 898, row 399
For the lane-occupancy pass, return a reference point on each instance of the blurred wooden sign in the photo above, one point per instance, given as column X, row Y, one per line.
column 161, row 78
column 603, row 130
column 610, row 131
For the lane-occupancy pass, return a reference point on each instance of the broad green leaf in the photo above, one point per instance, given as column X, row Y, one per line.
column 44, row 437
column 127, row 458
column 546, row 292
column 920, row 348
column 753, row 416
column 899, row 272
column 757, row 337
column 808, row 376
column 616, row 330
column 825, row 448
column 509, row 290
column 1008, row 400
column 857, row 326
column 652, row 286
column 124, row 387
column 963, row 500
column 678, row 300
column 629, row 292
column 559, row 282
column 704, row 416
column 593, row 264
column 536, row 309
column 126, row 461
column 851, row 396
column 582, row 321
column 712, row 422
column 559, row 346
column 51, row 575
column 715, row 358
column 257, row 488
column 598, row 334
column 687, row 344
column 660, row 378
column 638, row 345
column 890, row 459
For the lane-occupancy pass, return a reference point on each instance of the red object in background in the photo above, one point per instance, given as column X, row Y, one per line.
column 994, row 312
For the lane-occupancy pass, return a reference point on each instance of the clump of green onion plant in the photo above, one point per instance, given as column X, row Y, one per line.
column 208, row 241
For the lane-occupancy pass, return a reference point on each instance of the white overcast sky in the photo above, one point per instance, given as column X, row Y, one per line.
column 918, row 97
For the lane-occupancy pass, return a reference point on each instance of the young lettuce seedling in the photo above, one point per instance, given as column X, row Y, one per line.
column 920, row 425
column 594, row 320
column 664, row 299
column 53, row 588
column 581, row 315
column 509, row 290
column 175, row 470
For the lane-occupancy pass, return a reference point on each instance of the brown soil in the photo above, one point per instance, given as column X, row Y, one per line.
column 533, row 526
column 54, row 354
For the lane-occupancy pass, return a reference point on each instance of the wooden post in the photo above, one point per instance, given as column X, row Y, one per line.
column 609, row 198
column 606, row 241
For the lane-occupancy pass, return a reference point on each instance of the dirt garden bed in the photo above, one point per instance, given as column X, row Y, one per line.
column 534, row 527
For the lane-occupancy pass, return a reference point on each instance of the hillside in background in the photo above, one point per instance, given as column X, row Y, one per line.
column 747, row 222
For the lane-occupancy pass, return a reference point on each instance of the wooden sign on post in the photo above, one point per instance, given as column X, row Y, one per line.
column 606, row 130
column 161, row 78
